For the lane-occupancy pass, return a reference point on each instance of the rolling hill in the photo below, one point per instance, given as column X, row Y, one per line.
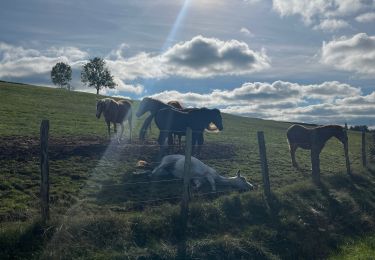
column 103, row 206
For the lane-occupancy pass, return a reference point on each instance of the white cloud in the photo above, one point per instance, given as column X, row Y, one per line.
column 206, row 57
column 355, row 54
column 198, row 58
column 17, row 61
column 246, row 32
column 325, row 14
column 366, row 18
column 330, row 25
column 338, row 102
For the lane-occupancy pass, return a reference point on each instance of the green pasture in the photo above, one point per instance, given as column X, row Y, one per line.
column 103, row 206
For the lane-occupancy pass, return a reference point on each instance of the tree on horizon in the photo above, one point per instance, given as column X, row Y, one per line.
column 61, row 75
column 95, row 74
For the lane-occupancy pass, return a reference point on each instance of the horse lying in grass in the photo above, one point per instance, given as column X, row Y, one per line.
column 300, row 136
column 116, row 112
column 174, row 164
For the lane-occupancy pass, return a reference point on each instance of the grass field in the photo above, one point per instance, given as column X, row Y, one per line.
column 103, row 207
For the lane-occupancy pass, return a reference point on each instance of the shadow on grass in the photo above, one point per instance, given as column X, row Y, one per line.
column 24, row 242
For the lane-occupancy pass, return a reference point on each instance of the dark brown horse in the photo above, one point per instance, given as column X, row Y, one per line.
column 116, row 112
column 170, row 120
column 149, row 105
column 172, row 138
column 300, row 136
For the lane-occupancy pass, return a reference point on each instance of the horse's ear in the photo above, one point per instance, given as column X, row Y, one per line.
column 238, row 173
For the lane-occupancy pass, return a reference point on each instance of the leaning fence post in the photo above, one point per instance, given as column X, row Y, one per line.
column 264, row 164
column 44, row 170
column 364, row 159
column 315, row 162
column 186, row 195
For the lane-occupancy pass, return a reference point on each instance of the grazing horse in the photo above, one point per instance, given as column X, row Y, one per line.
column 116, row 112
column 149, row 105
column 300, row 136
column 170, row 120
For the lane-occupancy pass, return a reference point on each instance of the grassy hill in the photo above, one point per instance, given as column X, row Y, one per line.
column 103, row 207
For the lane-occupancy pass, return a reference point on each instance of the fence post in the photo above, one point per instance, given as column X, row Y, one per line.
column 364, row 158
column 315, row 162
column 44, row 170
column 264, row 164
column 346, row 151
column 186, row 195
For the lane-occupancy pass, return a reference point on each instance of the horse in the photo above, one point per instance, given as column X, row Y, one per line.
column 178, row 106
column 200, row 172
column 149, row 105
column 116, row 112
column 170, row 120
column 300, row 136
column 175, row 104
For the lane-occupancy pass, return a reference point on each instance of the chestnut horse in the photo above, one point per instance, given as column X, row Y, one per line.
column 116, row 112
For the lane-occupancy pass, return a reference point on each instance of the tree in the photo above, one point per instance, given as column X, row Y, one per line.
column 61, row 74
column 359, row 128
column 96, row 74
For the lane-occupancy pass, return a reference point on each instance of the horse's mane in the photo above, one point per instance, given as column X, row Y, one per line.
column 338, row 127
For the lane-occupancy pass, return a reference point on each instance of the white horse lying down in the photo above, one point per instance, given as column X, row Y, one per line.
column 174, row 164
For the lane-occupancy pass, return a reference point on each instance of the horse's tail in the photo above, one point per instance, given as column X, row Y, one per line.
column 145, row 125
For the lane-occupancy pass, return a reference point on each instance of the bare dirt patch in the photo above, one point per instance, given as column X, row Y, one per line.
column 21, row 148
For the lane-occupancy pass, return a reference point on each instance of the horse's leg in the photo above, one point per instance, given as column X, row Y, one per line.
column 122, row 131
column 146, row 124
column 130, row 128
column 161, row 140
column 179, row 142
column 293, row 148
column 171, row 138
column 211, row 181
column 109, row 129
column 200, row 141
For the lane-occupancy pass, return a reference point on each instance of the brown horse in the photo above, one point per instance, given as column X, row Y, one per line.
column 175, row 104
column 116, row 112
column 300, row 136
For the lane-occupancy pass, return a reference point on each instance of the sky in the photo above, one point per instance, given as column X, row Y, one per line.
column 307, row 61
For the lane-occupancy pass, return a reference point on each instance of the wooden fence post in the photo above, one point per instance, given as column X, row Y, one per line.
column 44, row 170
column 364, row 157
column 346, row 152
column 315, row 162
column 264, row 164
column 186, row 195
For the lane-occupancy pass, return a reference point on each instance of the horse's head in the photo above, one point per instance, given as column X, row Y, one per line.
column 100, row 105
column 340, row 134
column 242, row 184
column 216, row 118
column 144, row 106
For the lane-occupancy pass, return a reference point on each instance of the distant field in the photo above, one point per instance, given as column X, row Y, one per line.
column 105, row 216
